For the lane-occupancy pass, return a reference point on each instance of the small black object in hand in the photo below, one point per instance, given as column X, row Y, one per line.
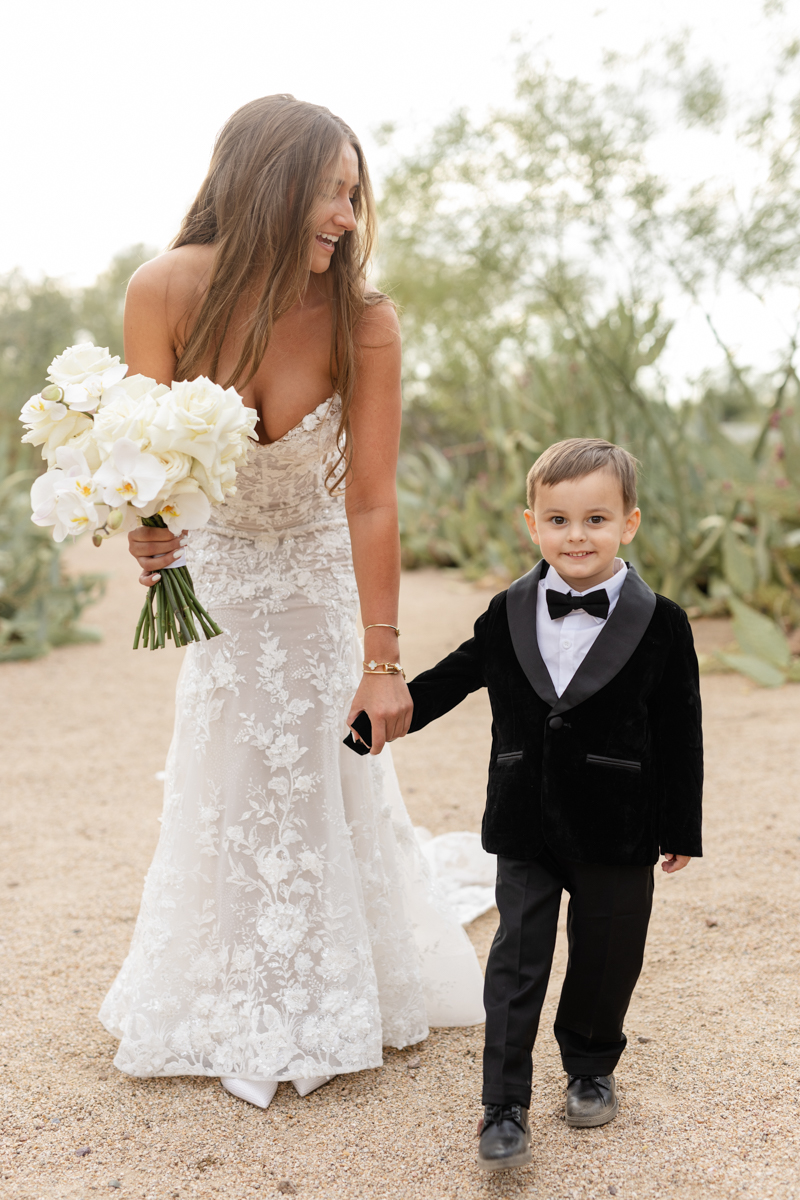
column 363, row 727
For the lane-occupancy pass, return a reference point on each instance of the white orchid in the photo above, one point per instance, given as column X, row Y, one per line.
column 66, row 497
column 129, row 475
column 44, row 492
column 123, row 449
column 82, row 399
column 76, row 511
column 50, row 423
column 185, row 510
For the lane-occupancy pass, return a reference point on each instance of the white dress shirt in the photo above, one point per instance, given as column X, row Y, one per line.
column 564, row 643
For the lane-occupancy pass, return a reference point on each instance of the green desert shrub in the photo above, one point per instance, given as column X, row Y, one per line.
column 533, row 256
column 40, row 602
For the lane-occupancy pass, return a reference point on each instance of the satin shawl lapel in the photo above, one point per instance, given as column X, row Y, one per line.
column 615, row 644
column 521, row 610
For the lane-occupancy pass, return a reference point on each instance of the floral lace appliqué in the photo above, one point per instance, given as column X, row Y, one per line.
column 287, row 926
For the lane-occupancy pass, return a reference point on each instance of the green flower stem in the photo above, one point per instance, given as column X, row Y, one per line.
column 176, row 604
column 164, row 613
column 138, row 633
column 160, row 615
column 172, row 625
column 183, row 604
column 171, row 609
column 209, row 625
column 148, row 621
column 190, row 604
column 200, row 611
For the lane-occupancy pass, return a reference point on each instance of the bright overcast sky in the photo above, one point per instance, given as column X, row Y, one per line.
column 110, row 107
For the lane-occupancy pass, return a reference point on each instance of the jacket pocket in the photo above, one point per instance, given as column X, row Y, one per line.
column 622, row 764
column 511, row 756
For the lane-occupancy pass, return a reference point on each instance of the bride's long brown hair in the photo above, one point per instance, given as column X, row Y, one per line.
column 257, row 207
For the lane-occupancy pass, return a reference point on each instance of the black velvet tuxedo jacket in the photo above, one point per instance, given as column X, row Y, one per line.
column 612, row 771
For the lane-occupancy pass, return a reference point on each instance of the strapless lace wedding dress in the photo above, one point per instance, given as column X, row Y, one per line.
column 289, row 925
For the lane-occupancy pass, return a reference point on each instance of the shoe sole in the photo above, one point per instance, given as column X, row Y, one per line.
column 505, row 1164
column 593, row 1122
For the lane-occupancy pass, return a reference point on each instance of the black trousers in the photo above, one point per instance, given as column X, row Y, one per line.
column 609, row 911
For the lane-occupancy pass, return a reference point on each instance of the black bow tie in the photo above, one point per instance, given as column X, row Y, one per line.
column 560, row 603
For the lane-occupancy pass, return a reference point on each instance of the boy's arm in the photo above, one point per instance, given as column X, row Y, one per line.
column 442, row 687
column 679, row 748
column 437, row 690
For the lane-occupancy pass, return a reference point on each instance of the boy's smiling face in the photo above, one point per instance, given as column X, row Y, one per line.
column 579, row 525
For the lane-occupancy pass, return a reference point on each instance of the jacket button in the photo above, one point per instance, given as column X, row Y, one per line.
column 556, row 722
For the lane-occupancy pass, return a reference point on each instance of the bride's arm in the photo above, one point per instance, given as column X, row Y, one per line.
column 371, row 502
column 149, row 350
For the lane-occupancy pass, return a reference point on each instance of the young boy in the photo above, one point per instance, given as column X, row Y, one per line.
column 596, row 765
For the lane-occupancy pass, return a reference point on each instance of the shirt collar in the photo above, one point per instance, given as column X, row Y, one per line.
column 613, row 585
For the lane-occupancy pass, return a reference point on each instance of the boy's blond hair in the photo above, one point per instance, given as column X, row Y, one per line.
column 575, row 457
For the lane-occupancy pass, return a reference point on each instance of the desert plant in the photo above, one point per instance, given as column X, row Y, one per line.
column 530, row 256
column 40, row 603
column 764, row 654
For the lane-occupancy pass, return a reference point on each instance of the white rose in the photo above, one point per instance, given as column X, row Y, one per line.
column 218, row 482
column 201, row 419
column 86, row 364
column 135, row 387
column 128, row 416
column 85, row 443
column 177, row 466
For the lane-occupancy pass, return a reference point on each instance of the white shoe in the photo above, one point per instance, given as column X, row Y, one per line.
column 253, row 1092
column 305, row 1086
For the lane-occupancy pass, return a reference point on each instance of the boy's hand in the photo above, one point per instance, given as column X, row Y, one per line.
column 674, row 862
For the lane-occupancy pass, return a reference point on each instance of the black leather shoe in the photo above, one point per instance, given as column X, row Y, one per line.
column 591, row 1100
column 505, row 1137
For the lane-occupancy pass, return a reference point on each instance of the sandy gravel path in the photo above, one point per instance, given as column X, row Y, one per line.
column 710, row 1086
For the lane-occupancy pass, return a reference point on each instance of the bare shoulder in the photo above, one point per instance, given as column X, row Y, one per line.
column 172, row 280
column 378, row 327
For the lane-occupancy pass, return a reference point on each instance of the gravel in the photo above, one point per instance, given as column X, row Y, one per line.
column 709, row 1085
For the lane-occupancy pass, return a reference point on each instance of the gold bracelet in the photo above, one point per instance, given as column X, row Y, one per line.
column 376, row 668
column 382, row 625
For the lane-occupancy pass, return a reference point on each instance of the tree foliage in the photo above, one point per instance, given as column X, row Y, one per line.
column 534, row 258
column 40, row 603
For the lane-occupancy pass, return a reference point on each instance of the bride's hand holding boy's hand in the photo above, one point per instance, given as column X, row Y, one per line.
column 387, row 702
column 153, row 549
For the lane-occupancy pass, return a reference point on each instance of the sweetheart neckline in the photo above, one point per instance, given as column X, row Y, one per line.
column 284, row 436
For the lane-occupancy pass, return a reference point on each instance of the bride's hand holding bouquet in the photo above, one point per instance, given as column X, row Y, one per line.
column 123, row 450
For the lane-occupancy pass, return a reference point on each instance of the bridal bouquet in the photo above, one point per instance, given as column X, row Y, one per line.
column 123, row 448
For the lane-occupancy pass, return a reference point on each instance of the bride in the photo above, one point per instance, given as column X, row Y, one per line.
column 288, row 928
